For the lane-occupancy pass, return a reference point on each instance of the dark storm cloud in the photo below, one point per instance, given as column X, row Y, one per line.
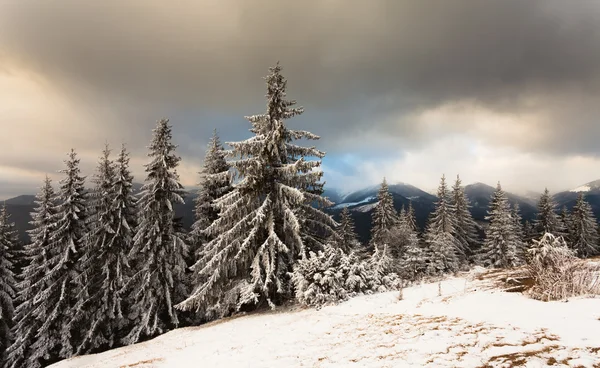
column 365, row 69
column 381, row 57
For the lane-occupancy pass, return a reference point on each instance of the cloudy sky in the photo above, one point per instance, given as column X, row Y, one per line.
column 504, row 90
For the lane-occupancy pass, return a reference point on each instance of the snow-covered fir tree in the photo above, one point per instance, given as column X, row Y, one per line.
column 330, row 275
column 215, row 182
column 411, row 218
column 566, row 222
column 529, row 233
column 37, row 253
column 584, row 235
column 519, row 230
column 399, row 238
column 61, row 285
column 547, row 220
column 159, row 250
column 14, row 253
column 465, row 229
column 413, row 262
column 384, row 217
column 100, row 314
column 500, row 248
column 382, row 271
column 346, row 235
column 402, row 215
column 265, row 222
column 442, row 248
column 320, row 278
column 7, row 281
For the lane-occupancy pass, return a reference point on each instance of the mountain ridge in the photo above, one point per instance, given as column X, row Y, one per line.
column 361, row 203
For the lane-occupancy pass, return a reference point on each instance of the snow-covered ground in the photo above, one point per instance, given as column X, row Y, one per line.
column 470, row 325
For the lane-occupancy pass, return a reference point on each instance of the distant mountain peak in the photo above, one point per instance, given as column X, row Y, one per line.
column 479, row 185
column 22, row 200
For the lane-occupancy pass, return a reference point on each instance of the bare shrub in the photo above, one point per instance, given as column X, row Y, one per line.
column 557, row 273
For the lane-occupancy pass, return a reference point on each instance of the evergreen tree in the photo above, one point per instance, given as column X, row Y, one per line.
column 584, row 236
column 411, row 218
column 7, row 281
column 529, row 234
column 37, row 253
column 159, row 250
column 99, row 315
column 547, row 220
column 215, row 183
column 384, row 216
column 62, row 284
column 442, row 247
column 266, row 223
column 598, row 232
column 500, row 248
column 346, row 235
column 566, row 223
column 13, row 254
column 519, row 230
column 465, row 230
column 412, row 263
column 402, row 215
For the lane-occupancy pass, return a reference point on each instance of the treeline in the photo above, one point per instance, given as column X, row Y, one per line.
column 450, row 241
column 108, row 267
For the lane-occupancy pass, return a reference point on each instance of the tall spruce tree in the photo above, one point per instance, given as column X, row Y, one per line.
column 547, row 220
column 346, row 235
column 265, row 222
column 465, row 229
column 7, row 281
column 14, row 252
column 442, row 248
column 100, row 315
column 27, row 323
column 413, row 261
column 215, row 182
column 404, row 248
column 584, row 235
column 402, row 215
column 566, row 223
column 529, row 233
column 159, row 250
column 519, row 230
column 384, row 217
column 61, row 286
column 500, row 248
column 411, row 218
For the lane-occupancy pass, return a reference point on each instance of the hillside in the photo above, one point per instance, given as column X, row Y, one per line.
column 591, row 193
column 480, row 194
column 472, row 324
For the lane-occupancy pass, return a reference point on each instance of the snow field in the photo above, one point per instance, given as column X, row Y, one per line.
column 470, row 325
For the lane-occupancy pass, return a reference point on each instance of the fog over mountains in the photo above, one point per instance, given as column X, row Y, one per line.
column 361, row 203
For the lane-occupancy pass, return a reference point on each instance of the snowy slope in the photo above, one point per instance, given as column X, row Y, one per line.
column 350, row 204
column 583, row 188
column 591, row 186
column 469, row 325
